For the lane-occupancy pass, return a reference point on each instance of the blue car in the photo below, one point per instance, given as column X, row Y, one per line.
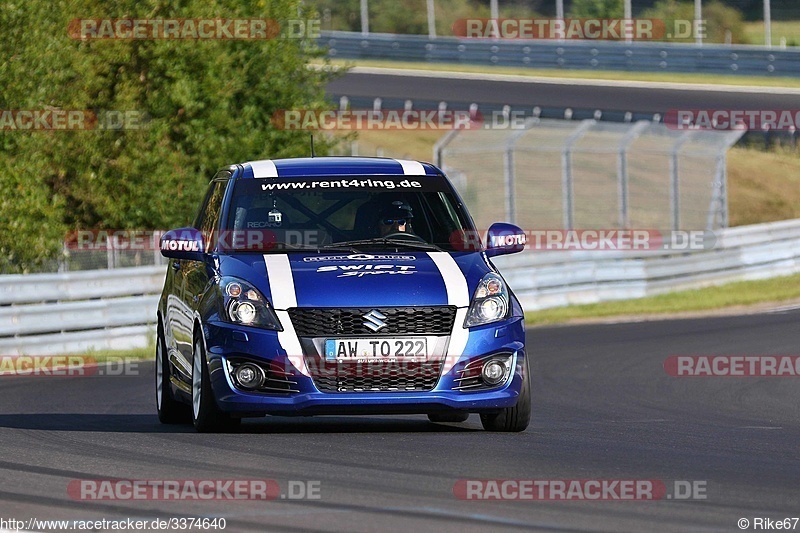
column 338, row 285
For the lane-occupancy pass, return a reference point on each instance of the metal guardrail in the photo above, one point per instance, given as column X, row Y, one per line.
column 43, row 314
column 544, row 279
column 572, row 55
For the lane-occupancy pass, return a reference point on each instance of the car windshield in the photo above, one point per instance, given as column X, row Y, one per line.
column 351, row 213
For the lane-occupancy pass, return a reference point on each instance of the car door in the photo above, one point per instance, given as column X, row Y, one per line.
column 192, row 277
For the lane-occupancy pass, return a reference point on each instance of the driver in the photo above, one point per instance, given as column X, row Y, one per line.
column 395, row 218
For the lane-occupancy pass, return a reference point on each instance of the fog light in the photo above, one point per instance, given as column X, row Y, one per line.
column 249, row 376
column 493, row 372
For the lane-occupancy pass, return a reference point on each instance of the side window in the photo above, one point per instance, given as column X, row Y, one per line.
column 208, row 218
column 198, row 219
column 221, row 177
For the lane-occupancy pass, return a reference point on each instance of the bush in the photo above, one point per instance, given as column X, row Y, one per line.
column 719, row 19
column 597, row 9
column 411, row 16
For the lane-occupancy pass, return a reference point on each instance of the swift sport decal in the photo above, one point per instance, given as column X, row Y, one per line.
column 283, row 297
column 358, row 271
column 458, row 295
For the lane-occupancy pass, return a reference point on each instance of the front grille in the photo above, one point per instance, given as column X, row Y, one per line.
column 320, row 322
column 374, row 377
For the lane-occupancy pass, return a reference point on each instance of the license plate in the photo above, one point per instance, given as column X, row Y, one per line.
column 407, row 349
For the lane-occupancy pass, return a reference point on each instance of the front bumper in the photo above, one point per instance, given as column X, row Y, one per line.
column 226, row 342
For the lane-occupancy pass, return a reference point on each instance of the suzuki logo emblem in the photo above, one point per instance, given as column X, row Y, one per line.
column 374, row 320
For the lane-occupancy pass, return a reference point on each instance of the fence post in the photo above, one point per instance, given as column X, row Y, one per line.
column 674, row 188
column 566, row 172
column 719, row 203
column 622, row 169
column 441, row 144
column 509, row 171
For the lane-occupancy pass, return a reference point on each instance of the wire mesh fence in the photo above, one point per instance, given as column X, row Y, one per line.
column 560, row 174
column 96, row 250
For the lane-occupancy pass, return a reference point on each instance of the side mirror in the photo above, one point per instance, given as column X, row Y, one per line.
column 505, row 238
column 183, row 243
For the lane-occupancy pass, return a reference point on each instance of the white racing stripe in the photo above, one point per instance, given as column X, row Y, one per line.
column 411, row 168
column 264, row 169
column 454, row 281
column 457, row 294
column 281, row 283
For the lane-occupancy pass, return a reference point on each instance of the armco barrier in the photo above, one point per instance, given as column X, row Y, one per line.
column 543, row 279
column 42, row 314
column 572, row 55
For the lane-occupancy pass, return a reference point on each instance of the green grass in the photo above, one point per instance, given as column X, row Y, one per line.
column 712, row 79
column 732, row 295
column 789, row 29
column 133, row 354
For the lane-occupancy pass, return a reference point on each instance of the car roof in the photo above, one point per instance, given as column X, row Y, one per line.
column 336, row 166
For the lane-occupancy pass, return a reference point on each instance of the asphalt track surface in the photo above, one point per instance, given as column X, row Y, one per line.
column 604, row 408
column 459, row 93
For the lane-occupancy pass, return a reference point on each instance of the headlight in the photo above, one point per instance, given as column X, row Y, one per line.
column 490, row 302
column 245, row 305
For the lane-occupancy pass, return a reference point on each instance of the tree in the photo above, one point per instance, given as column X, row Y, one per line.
column 206, row 103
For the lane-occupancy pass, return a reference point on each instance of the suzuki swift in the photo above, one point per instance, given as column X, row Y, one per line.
column 338, row 285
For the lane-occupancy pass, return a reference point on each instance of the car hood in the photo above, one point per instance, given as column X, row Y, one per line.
column 361, row 280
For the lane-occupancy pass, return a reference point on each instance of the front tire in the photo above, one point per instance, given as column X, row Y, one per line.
column 206, row 415
column 170, row 411
column 516, row 418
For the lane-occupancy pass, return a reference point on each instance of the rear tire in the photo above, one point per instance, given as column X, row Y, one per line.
column 442, row 418
column 206, row 415
column 516, row 418
column 170, row 411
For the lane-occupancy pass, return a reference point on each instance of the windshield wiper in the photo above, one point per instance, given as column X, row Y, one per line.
column 390, row 242
column 335, row 247
column 284, row 246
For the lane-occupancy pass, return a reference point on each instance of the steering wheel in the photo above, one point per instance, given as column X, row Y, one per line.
column 403, row 236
